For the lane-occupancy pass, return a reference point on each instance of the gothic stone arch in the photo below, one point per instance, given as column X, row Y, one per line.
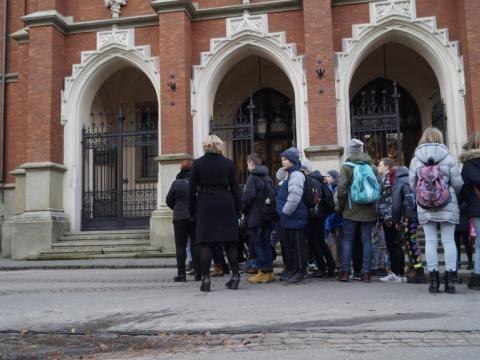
column 245, row 35
column 396, row 20
column 115, row 49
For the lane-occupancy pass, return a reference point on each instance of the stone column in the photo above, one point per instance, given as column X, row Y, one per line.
column 42, row 220
column 161, row 227
column 324, row 157
column 18, row 208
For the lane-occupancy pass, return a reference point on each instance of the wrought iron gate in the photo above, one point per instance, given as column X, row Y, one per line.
column 439, row 118
column 119, row 171
column 237, row 131
column 375, row 120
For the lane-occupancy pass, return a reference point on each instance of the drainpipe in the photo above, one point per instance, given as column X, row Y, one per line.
column 3, row 106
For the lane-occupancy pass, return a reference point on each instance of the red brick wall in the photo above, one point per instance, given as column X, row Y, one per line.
column 445, row 12
column 202, row 32
column 45, row 81
column 319, row 46
column 343, row 17
column 290, row 22
column 84, row 10
column 175, row 53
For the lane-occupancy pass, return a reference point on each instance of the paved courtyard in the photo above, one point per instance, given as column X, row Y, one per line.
column 141, row 313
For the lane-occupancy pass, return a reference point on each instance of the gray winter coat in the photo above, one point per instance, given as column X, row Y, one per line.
column 450, row 172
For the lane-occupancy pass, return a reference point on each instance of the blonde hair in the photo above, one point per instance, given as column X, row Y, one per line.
column 213, row 144
column 473, row 142
column 431, row 135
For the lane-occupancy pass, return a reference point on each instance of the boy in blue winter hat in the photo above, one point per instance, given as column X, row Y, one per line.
column 293, row 214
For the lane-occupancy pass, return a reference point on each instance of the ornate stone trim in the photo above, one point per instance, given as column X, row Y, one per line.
column 41, row 166
column 390, row 14
column 324, row 150
column 173, row 158
column 115, row 6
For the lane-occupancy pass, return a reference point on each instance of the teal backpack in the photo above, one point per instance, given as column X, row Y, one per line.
column 365, row 188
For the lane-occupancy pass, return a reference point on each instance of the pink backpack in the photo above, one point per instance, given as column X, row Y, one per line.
column 432, row 190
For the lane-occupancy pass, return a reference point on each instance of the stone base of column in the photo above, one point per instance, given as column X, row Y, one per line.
column 161, row 231
column 33, row 232
column 325, row 157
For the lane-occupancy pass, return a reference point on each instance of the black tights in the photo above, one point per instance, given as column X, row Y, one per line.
column 206, row 254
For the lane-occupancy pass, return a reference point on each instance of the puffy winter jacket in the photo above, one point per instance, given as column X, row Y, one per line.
column 177, row 197
column 292, row 211
column 471, row 177
column 450, row 172
column 403, row 198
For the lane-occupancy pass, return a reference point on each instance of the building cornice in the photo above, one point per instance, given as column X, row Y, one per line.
column 166, row 6
column 349, row 2
column 66, row 24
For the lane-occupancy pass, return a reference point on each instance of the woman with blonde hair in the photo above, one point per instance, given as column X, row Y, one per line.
column 470, row 158
column 435, row 178
column 214, row 201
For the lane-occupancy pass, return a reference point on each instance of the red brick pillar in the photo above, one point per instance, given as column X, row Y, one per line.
column 319, row 55
column 175, row 53
column 44, row 85
column 469, row 23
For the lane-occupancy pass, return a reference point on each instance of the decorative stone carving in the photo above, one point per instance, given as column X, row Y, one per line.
column 247, row 22
column 123, row 37
column 388, row 8
column 115, row 6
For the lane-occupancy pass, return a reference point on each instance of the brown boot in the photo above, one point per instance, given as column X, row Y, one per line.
column 366, row 277
column 343, row 276
column 217, row 270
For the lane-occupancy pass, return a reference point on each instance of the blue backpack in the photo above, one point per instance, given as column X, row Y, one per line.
column 365, row 188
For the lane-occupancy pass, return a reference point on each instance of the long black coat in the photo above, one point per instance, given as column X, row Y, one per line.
column 214, row 199
column 253, row 196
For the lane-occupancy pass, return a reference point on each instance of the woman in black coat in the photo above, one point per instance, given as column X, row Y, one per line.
column 471, row 195
column 214, row 201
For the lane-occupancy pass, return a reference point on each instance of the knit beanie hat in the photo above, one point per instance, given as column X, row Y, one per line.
column 292, row 155
column 306, row 166
column 355, row 146
column 334, row 174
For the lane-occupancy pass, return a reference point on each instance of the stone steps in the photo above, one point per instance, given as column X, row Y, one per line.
column 102, row 244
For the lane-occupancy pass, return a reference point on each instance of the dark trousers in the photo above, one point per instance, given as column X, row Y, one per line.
column 260, row 237
column 184, row 230
column 206, row 255
column 463, row 237
column 219, row 258
column 357, row 252
column 321, row 251
column 295, row 242
column 395, row 249
column 286, row 256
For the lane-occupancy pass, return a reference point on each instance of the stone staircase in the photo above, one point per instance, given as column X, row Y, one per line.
column 102, row 244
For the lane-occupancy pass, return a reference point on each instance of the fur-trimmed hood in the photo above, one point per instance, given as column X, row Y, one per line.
column 469, row 155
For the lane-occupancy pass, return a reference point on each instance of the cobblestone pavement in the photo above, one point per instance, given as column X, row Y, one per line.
column 142, row 314
column 124, row 346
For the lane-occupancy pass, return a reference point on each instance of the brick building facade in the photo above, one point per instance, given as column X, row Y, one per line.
column 316, row 72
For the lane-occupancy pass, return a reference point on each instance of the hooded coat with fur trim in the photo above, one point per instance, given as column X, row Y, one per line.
column 448, row 166
column 471, row 178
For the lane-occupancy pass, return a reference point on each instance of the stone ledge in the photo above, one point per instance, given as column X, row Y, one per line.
column 41, row 166
column 173, row 158
column 324, row 150
column 17, row 172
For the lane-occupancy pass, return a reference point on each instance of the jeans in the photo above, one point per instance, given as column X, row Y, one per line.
column 476, row 270
column 349, row 232
column 447, row 234
column 260, row 237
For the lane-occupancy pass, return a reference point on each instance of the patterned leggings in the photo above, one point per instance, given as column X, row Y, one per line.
column 409, row 234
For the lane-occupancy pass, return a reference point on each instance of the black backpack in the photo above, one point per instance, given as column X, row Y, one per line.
column 310, row 197
column 327, row 202
column 268, row 204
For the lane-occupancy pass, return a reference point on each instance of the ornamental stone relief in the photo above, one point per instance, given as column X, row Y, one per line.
column 115, row 6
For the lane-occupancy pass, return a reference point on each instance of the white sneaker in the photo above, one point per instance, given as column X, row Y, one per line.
column 392, row 278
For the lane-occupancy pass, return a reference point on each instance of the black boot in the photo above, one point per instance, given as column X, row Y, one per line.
column 450, row 282
column 233, row 282
column 474, row 282
column 434, row 282
column 418, row 278
column 181, row 277
column 205, row 286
